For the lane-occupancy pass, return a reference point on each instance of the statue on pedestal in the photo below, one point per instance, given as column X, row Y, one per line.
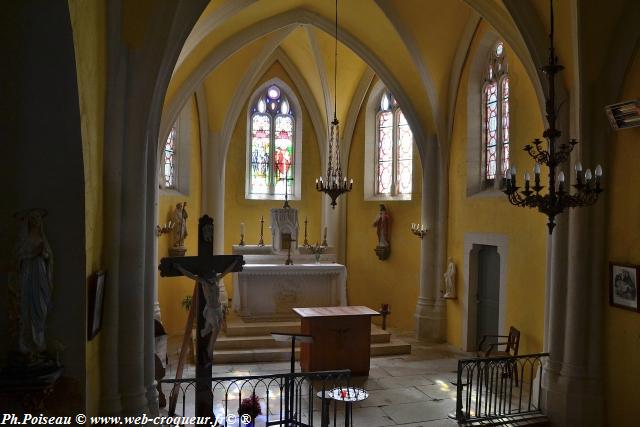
column 450, row 280
column 179, row 219
column 383, row 228
column 31, row 297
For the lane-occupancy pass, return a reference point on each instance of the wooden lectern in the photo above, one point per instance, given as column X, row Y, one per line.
column 341, row 338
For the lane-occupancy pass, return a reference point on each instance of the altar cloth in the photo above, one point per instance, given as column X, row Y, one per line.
column 269, row 292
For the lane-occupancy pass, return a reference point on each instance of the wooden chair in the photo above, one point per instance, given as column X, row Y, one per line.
column 511, row 344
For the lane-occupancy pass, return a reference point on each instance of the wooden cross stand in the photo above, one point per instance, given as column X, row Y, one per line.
column 208, row 268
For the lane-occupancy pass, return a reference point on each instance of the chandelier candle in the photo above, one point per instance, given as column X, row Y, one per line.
column 336, row 183
column 557, row 199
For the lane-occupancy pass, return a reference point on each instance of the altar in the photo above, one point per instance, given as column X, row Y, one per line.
column 283, row 275
column 269, row 292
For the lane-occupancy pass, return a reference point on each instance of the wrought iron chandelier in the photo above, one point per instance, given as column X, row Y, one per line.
column 335, row 183
column 558, row 197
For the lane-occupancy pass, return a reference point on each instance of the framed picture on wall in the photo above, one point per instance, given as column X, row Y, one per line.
column 95, row 297
column 623, row 286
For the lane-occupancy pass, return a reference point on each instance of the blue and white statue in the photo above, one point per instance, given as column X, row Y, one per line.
column 33, row 260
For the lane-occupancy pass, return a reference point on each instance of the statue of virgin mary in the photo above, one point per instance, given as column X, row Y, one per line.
column 34, row 283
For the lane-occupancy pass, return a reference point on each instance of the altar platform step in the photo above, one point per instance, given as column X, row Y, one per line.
column 238, row 328
column 249, row 342
column 393, row 347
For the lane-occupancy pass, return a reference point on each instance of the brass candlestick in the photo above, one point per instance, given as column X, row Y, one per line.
column 261, row 242
column 166, row 228
column 306, row 242
column 324, row 240
column 241, row 240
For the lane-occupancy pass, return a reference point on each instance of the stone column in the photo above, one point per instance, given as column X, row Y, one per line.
column 114, row 130
column 214, row 182
column 430, row 316
column 335, row 221
column 138, row 75
column 132, row 266
column 572, row 387
column 151, row 304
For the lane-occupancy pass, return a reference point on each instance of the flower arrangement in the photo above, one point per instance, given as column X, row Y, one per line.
column 317, row 249
column 250, row 406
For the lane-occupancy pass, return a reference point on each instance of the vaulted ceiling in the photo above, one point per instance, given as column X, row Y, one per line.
column 410, row 45
column 417, row 47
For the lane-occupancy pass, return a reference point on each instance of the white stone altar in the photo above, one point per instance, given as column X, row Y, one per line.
column 269, row 292
column 267, row 289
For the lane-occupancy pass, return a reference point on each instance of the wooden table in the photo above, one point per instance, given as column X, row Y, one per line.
column 341, row 338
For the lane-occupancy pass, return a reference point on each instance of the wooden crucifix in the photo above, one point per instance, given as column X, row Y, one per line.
column 206, row 269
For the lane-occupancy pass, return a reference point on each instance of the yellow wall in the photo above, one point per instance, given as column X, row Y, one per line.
column 88, row 20
column 394, row 281
column 622, row 327
column 172, row 290
column 525, row 229
column 237, row 209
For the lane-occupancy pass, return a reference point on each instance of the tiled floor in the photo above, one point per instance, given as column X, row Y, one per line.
column 408, row 390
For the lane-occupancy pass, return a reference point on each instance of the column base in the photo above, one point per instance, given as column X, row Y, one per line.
column 152, row 399
column 135, row 403
column 572, row 400
column 110, row 405
column 430, row 320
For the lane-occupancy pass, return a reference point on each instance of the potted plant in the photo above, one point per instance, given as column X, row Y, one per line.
column 250, row 406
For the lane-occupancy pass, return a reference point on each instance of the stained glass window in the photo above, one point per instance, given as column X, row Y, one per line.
column 491, row 137
column 495, row 99
column 169, row 158
column 394, row 149
column 505, row 125
column 272, row 144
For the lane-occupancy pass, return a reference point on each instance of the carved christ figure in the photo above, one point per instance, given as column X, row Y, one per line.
column 214, row 309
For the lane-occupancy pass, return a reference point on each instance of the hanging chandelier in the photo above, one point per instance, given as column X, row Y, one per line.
column 559, row 196
column 334, row 184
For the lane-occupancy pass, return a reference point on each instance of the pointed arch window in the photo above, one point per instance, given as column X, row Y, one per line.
column 495, row 114
column 393, row 149
column 272, row 145
column 169, row 161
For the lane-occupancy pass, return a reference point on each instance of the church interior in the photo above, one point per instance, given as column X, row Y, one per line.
column 125, row 122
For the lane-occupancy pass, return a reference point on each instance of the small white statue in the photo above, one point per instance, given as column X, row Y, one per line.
column 179, row 220
column 450, row 280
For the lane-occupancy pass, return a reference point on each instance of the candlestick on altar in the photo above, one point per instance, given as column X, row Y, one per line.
column 241, row 234
column 306, row 242
column 261, row 242
column 324, row 240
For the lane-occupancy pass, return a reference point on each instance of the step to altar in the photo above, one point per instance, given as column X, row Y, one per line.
column 244, row 342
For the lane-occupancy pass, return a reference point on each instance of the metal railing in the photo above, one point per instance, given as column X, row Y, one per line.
column 497, row 387
column 298, row 399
